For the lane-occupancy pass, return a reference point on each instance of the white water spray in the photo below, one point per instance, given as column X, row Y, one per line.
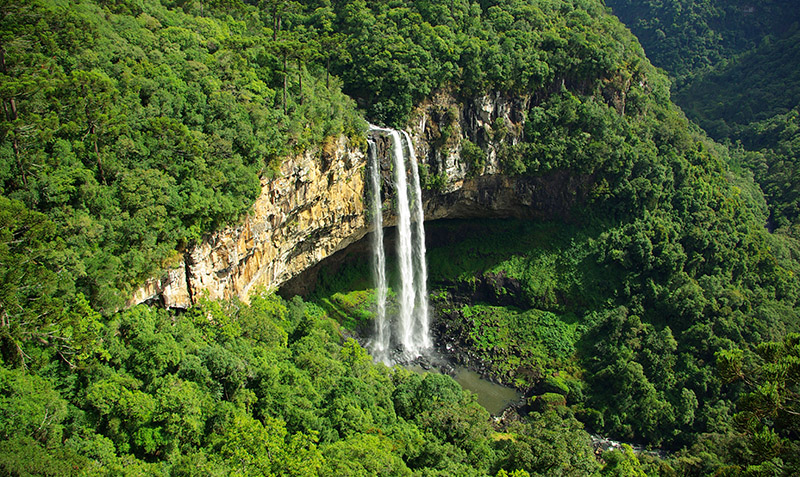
column 404, row 250
column 412, row 322
column 382, row 333
column 421, row 279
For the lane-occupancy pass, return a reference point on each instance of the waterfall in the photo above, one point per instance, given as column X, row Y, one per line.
column 421, row 277
column 381, row 342
column 404, row 250
column 411, row 324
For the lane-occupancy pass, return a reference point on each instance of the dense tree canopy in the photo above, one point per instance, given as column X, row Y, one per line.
column 269, row 388
column 735, row 65
column 686, row 37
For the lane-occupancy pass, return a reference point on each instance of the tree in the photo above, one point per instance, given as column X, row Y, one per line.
column 94, row 96
column 622, row 463
column 37, row 304
column 363, row 455
column 549, row 443
column 769, row 412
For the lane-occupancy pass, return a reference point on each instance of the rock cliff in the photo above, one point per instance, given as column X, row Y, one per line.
column 316, row 204
column 311, row 209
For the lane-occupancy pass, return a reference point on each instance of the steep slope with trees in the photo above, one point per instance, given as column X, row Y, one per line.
column 735, row 69
column 688, row 37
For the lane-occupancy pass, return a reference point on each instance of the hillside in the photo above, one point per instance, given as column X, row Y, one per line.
column 688, row 37
column 735, row 70
column 650, row 303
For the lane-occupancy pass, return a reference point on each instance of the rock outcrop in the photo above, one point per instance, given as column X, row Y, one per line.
column 314, row 207
column 317, row 206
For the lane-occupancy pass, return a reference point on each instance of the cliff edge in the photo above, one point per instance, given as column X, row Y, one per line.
column 317, row 206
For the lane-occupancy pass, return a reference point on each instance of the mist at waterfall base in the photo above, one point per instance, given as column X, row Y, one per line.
column 402, row 332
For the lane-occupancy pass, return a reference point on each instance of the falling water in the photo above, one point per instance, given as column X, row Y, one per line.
column 404, row 250
column 412, row 323
column 421, row 279
column 382, row 332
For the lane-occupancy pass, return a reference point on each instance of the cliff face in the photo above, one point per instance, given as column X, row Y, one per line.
column 313, row 208
column 316, row 206
column 479, row 189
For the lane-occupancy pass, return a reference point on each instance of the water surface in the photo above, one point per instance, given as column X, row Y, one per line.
column 493, row 397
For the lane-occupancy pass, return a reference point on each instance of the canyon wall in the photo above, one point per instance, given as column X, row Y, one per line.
column 311, row 209
column 317, row 206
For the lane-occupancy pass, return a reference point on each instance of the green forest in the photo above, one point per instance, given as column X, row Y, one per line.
column 734, row 71
column 663, row 312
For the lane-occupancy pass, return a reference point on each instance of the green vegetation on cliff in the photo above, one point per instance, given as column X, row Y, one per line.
column 137, row 127
column 515, row 46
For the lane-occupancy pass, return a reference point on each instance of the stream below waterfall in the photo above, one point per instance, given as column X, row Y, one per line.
column 494, row 397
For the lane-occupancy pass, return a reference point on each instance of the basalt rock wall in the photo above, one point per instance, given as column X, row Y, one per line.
column 312, row 208
column 317, row 204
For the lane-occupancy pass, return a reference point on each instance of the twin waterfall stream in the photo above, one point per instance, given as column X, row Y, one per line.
column 402, row 324
column 406, row 327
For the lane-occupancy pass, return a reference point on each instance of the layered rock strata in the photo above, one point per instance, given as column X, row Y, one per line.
column 317, row 206
column 314, row 207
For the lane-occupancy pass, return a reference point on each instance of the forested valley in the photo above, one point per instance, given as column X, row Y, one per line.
column 734, row 70
column 662, row 311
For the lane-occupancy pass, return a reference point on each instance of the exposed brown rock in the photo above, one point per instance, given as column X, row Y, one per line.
column 310, row 211
column 317, row 205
